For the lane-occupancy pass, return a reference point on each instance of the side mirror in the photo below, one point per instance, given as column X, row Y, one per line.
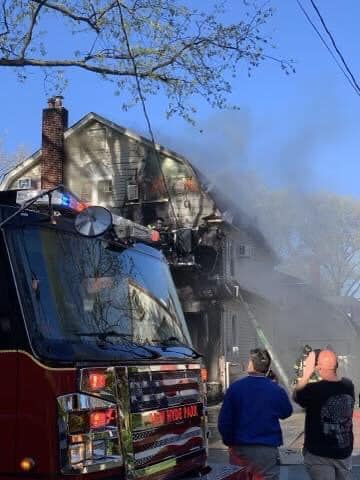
column 93, row 221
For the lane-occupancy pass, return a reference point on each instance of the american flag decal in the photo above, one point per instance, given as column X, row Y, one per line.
column 167, row 415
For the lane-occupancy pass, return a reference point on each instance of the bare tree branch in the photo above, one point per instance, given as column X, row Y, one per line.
column 29, row 34
column 321, row 230
column 353, row 293
column 6, row 31
column 9, row 160
column 68, row 13
column 20, row 63
column 186, row 51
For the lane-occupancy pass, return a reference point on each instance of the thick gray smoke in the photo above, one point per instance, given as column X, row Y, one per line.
column 249, row 160
column 273, row 178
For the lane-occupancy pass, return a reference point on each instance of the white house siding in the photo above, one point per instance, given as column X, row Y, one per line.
column 245, row 337
column 97, row 152
column 96, row 155
column 239, row 337
column 239, row 333
column 127, row 158
column 32, row 173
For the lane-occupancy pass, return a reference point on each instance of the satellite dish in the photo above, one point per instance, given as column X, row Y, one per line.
column 93, row 221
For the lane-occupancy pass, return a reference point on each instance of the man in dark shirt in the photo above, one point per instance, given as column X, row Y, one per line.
column 249, row 418
column 328, row 407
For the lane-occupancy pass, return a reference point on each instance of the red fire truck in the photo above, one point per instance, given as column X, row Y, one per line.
column 98, row 375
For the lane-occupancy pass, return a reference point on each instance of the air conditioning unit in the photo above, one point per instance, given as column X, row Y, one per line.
column 132, row 192
column 24, row 183
column 245, row 251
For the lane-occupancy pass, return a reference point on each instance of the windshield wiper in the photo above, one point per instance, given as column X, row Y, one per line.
column 166, row 343
column 103, row 336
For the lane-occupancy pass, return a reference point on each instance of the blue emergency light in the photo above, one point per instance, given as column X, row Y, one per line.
column 58, row 199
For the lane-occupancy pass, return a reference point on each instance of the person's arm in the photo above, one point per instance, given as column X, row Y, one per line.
column 300, row 394
column 285, row 408
column 352, row 391
column 227, row 418
column 348, row 383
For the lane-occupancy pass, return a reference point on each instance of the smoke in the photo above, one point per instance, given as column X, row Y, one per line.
column 221, row 145
column 272, row 174
column 234, row 144
column 250, row 157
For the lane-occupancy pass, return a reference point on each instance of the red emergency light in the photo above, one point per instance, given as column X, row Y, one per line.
column 204, row 374
column 64, row 199
column 96, row 381
column 102, row 418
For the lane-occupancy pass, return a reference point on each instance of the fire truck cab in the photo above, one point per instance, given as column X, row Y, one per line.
column 98, row 375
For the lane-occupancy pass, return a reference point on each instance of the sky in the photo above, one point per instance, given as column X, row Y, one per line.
column 300, row 129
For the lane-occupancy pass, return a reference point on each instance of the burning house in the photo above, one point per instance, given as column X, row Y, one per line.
column 222, row 265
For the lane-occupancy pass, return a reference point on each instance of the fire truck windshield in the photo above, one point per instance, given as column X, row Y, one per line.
column 76, row 290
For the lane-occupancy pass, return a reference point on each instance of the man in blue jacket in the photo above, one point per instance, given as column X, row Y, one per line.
column 249, row 418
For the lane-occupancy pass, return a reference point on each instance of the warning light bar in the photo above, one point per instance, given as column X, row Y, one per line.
column 58, row 199
column 91, row 221
column 125, row 228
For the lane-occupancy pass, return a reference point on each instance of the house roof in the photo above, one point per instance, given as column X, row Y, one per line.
column 231, row 213
column 19, row 169
column 34, row 159
column 122, row 130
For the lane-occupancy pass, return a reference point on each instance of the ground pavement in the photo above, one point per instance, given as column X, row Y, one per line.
column 291, row 459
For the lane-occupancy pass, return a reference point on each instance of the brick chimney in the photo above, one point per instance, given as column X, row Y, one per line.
column 54, row 124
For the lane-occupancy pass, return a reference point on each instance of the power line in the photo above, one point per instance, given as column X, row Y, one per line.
column 350, row 81
column 334, row 44
column 143, row 104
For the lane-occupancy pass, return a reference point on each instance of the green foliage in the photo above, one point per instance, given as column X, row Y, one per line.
column 187, row 51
